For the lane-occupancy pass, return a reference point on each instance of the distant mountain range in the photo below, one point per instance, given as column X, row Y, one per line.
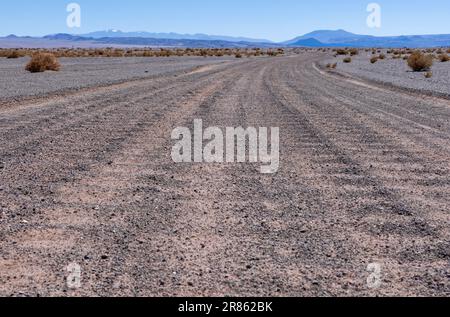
column 126, row 39
column 322, row 38
column 340, row 38
column 170, row 36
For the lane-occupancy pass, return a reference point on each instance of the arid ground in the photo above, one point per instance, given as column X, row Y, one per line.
column 86, row 177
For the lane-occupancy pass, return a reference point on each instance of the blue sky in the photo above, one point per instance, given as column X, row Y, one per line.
column 271, row 19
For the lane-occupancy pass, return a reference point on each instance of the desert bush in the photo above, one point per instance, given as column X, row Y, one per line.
column 418, row 61
column 116, row 53
column 428, row 74
column 333, row 66
column 238, row 55
column 163, row 53
column 13, row 54
column 354, row 52
column 347, row 60
column 381, row 56
column 444, row 58
column 272, row 53
column 374, row 59
column 341, row 51
column 40, row 62
column 147, row 53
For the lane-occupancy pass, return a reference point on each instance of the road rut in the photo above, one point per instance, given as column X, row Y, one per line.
column 87, row 178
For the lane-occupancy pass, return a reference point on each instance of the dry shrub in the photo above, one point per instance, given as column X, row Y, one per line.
column 40, row 62
column 333, row 66
column 418, row 61
column 13, row 54
column 444, row 58
column 354, row 52
column 116, row 53
column 347, row 60
column 382, row 56
column 272, row 53
column 374, row 59
column 341, row 51
column 428, row 75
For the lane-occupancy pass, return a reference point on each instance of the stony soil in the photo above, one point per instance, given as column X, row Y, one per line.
column 396, row 73
column 364, row 178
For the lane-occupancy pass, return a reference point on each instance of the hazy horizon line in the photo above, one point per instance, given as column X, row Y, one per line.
column 224, row 35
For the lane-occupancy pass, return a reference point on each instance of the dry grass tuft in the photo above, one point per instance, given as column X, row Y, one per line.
column 418, row 61
column 40, row 62
column 341, row 51
column 444, row 58
column 14, row 54
column 347, row 60
column 354, row 51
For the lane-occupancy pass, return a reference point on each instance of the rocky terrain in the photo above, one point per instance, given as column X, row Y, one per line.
column 87, row 178
column 396, row 73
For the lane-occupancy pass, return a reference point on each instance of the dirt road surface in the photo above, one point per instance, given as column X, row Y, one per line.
column 364, row 181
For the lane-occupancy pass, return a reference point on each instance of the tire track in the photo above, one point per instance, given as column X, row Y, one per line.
column 363, row 179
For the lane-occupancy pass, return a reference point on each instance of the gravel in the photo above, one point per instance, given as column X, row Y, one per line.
column 77, row 73
column 364, row 180
column 395, row 72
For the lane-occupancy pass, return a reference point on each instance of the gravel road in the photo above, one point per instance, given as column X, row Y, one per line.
column 364, row 181
column 78, row 73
